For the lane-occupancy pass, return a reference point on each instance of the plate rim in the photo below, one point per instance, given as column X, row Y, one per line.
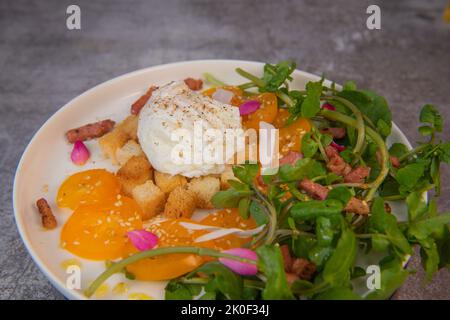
column 72, row 294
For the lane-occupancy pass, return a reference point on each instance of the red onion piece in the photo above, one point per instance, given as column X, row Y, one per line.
column 242, row 268
column 249, row 107
column 80, row 153
column 142, row 239
column 338, row 147
column 328, row 106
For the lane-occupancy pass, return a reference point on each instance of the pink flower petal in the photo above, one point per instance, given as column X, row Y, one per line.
column 338, row 147
column 249, row 107
column 242, row 268
column 142, row 239
column 328, row 106
column 80, row 154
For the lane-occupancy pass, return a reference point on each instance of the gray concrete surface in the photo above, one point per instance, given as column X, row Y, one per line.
column 43, row 65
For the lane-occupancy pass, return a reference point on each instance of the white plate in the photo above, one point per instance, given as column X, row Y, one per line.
column 45, row 162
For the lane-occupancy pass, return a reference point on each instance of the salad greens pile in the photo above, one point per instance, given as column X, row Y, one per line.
column 320, row 231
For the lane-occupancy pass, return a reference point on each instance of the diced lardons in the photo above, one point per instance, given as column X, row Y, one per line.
column 317, row 191
column 194, row 84
column 140, row 103
column 167, row 182
column 357, row 175
column 287, row 259
column 303, row 268
column 357, row 206
column 335, row 163
column 335, row 132
column 134, row 172
column 290, row 158
column 180, row 203
column 204, row 189
column 395, row 162
column 150, row 198
column 48, row 219
column 90, row 131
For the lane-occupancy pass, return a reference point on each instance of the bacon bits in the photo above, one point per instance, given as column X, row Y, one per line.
column 48, row 219
column 140, row 103
column 90, row 131
column 357, row 175
column 335, row 132
column 194, row 84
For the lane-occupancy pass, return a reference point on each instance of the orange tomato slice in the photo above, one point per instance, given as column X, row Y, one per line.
column 87, row 187
column 171, row 233
column 98, row 231
column 267, row 112
column 290, row 137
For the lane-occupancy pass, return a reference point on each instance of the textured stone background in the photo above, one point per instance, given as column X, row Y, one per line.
column 43, row 65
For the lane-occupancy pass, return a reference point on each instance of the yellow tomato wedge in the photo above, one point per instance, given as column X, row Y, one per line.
column 87, row 187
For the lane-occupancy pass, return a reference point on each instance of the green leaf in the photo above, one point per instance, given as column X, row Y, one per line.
column 306, row 167
column 445, row 152
column 229, row 198
column 243, row 207
column 349, row 85
column 309, row 146
column 371, row 105
column 176, row 290
column 409, row 175
column 246, row 173
column 315, row 208
column 430, row 257
column 324, row 231
column 258, row 213
column 222, row 280
column 430, row 114
column 311, row 104
column 270, row 262
column 341, row 194
column 426, row 130
column 398, row 149
column 392, row 276
column 417, row 206
column 338, row 267
column 432, row 227
column 380, row 243
column 275, row 75
column 338, row 293
column 385, row 223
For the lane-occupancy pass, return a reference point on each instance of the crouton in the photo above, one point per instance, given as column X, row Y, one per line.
column 204, row 188
column 134, row 172
column 112, row 141
column 129, row 126
column 167, row 182
column 225, row 176
column 150, row 198
column 128, row 150
column 180, row 203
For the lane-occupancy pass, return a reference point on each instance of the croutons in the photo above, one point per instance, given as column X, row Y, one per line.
column 134, row 172
column 129, row 126
column 204, row 188
column 167, row 182
column 117, row 138
column 128, row 150
column 150, row 198
column 180, row 203
column 112, row 141
column 225, row 176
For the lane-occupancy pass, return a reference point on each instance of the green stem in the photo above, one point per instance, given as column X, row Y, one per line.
column 213, row 80
column 153, row 253
column 413, row 152
column 273, row 221
column 246, row 85
column 360, row 127
column 203, row 281
column 259, row 82
column 285, row 98
column 370, row 235
column 374, row 185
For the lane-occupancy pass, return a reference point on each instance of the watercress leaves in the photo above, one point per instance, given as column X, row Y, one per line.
column 275, row 75
column 270, row 262
column 311, row 104
column 315, row 208
column 229, row 198
column 429, row 114
column 305, row 167
column 341, row 194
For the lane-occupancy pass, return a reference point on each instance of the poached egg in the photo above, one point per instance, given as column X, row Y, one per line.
column 176, row 122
